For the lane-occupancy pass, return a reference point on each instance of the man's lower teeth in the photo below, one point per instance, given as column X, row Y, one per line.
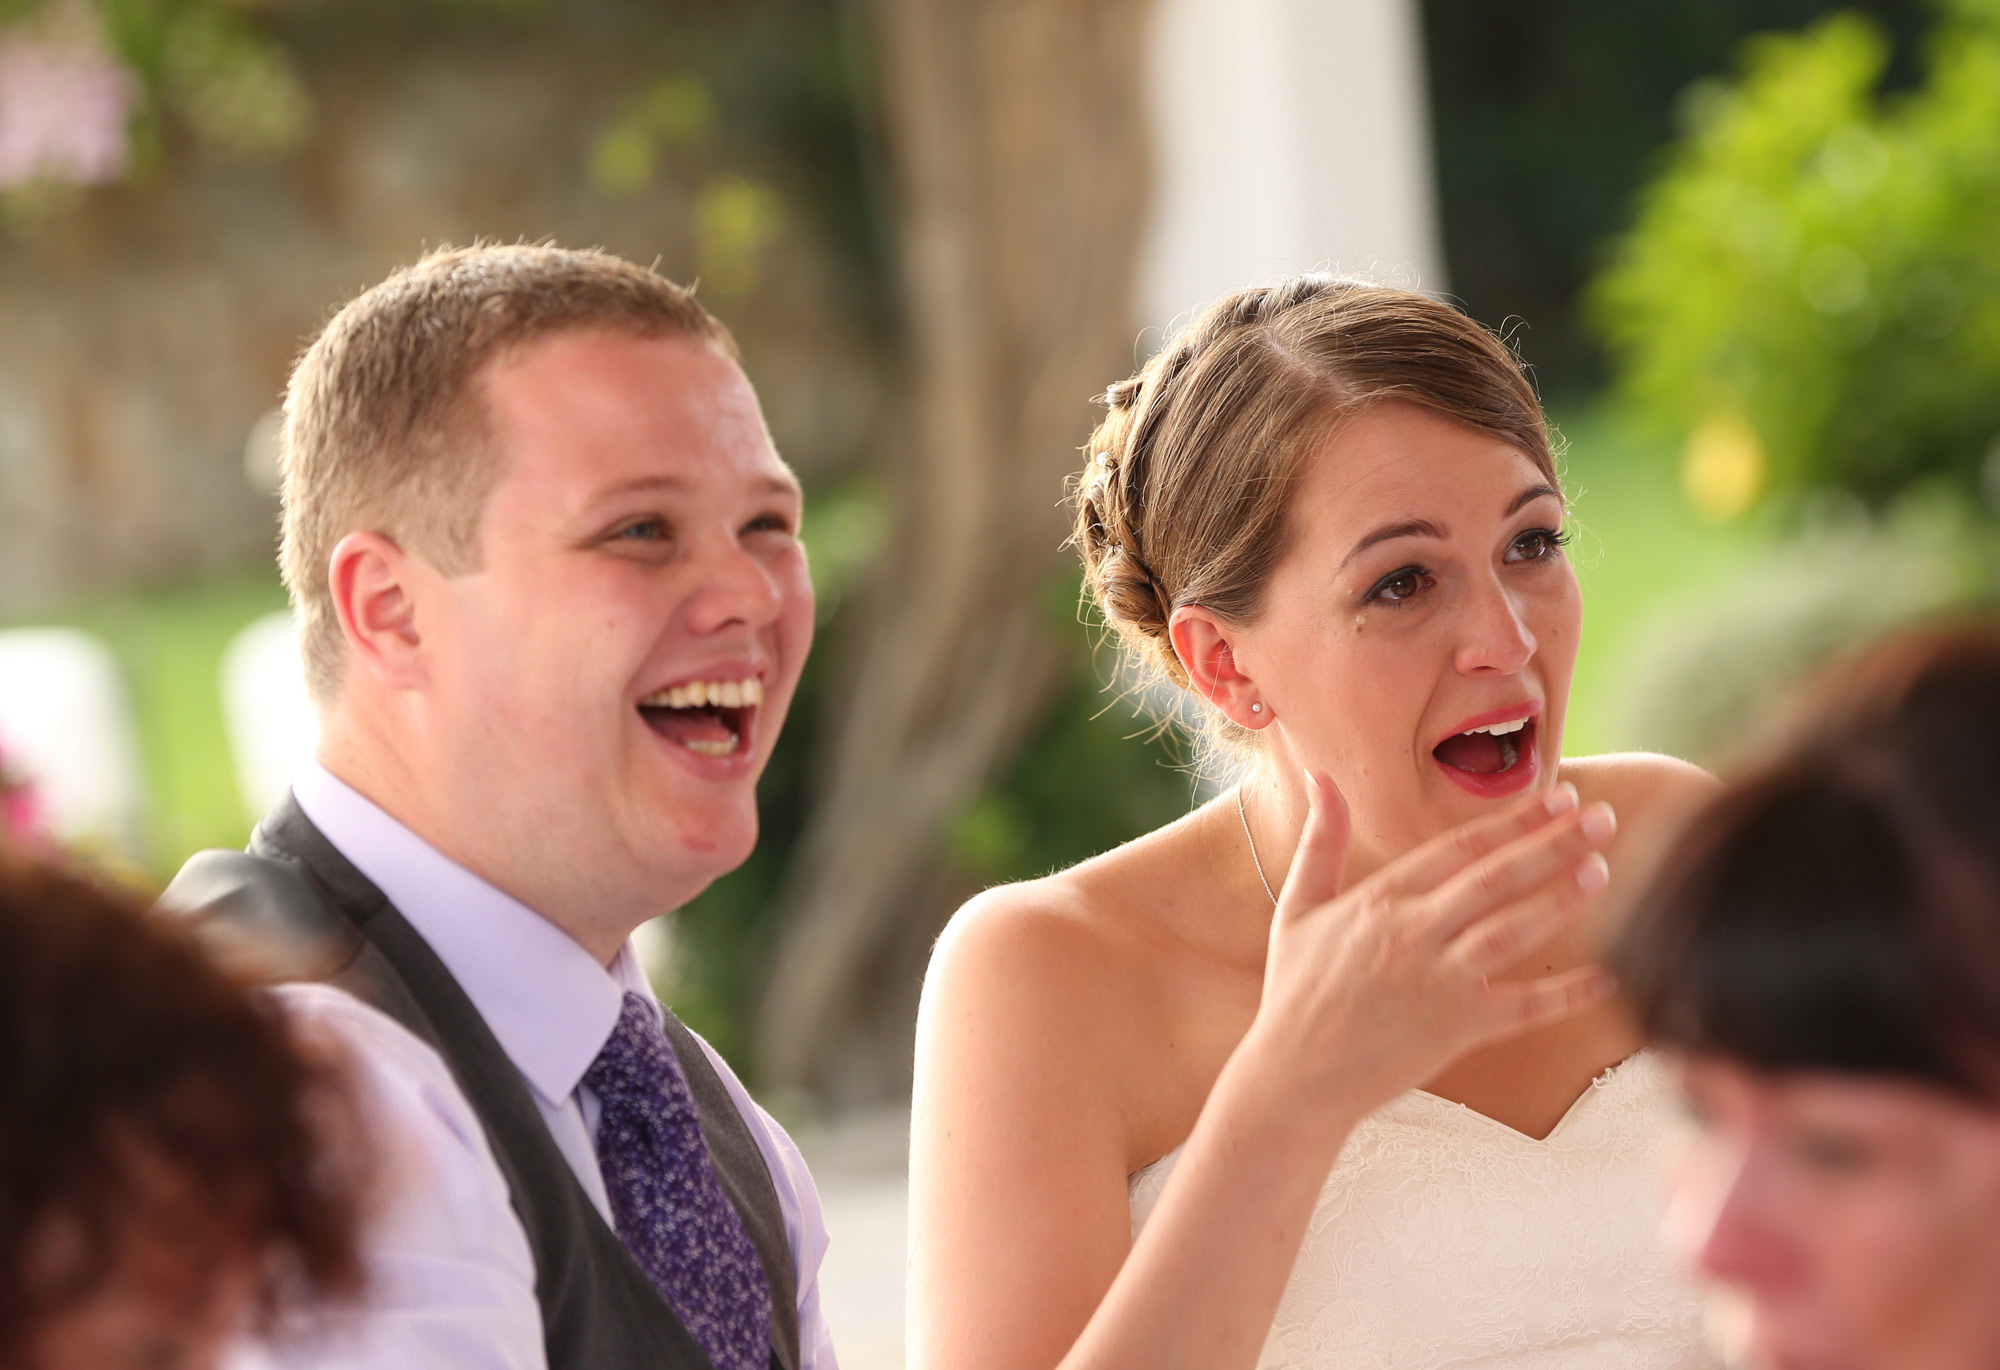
column 716, row 747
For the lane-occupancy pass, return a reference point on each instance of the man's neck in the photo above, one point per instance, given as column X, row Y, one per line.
column 379, row 770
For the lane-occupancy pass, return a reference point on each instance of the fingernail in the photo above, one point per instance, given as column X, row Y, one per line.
column 1599, row 822
column 1560, row 800
column 1593, row 873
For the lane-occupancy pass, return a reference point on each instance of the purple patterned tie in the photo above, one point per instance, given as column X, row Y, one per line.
column 666, row 1202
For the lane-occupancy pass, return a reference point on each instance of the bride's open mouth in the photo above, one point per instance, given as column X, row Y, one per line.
column 1490, row 759
column 707, row 717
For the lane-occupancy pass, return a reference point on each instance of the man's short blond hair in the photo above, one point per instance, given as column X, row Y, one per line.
column 386, row 429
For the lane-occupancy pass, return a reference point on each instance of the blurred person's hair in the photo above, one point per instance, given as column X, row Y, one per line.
column 385, row 426
column 1839, row 908
column 159, row 1121
column 1188, row 481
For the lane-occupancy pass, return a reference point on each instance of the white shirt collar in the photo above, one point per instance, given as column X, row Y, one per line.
column 547, row 1000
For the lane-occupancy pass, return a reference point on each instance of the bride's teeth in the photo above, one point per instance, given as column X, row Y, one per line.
column 729, row 694
column 1499, row 729
column 753, row 692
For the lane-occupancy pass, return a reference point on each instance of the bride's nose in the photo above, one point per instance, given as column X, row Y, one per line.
column 1494, row 635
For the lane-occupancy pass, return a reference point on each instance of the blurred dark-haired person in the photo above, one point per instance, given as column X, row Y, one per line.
column 175, row 1167
column 1824, row 956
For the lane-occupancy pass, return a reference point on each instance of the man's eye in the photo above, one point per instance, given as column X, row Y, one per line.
column 1537, row 544
column 769, row 523
column 1399, row 586
column 645, row 530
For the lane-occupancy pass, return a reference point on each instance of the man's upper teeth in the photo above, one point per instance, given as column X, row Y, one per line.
column 1500, row 729
column 727, row 694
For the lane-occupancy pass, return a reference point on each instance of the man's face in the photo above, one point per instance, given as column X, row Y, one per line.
column 605, row 690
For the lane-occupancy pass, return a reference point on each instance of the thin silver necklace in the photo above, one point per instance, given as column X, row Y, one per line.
column 1261, row 878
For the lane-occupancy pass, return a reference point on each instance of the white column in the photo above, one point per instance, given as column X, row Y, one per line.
column 1289, row 135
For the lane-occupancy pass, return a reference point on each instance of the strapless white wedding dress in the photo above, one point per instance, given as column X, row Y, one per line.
column 1444, row 1238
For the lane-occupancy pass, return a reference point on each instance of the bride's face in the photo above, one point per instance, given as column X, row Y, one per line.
column 1425, row 595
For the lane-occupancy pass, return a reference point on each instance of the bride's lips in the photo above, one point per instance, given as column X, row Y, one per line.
column 1517, row 751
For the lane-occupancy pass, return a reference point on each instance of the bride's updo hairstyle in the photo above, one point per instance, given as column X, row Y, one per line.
column 1187, row 482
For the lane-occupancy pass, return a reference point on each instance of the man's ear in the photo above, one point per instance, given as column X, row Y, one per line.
column 371, row 580
column 1202, row 642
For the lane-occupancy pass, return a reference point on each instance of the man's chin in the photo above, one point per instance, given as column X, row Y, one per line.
column 710, row 845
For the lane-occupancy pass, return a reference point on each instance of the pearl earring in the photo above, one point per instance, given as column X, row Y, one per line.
column 1256, row 708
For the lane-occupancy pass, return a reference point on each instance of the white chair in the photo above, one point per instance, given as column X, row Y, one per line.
column 273, row 730
column 66, row 724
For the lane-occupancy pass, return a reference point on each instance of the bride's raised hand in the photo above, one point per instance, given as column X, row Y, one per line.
column 1372, row 990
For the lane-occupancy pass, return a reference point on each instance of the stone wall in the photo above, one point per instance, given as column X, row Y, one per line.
column 144, row 329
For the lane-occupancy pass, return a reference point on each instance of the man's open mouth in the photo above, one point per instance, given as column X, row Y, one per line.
column 708, row 717
column 1493, row 749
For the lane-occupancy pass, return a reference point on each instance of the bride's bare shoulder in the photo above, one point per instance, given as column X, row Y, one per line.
column 1068, row 944
column 1654, row 796
column 1640, row 785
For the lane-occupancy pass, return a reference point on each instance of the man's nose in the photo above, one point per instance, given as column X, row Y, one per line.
column 1496, row 639
column 735, row 589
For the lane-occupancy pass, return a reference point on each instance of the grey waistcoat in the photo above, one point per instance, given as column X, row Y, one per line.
column 295, row 893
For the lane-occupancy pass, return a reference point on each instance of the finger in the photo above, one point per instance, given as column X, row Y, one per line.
column 1315, row 874
column 1437, row 860
column 1516, row 1007
column 1497, row 941
column 1520, row 867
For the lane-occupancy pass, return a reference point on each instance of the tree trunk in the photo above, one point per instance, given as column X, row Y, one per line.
column 1016, row 133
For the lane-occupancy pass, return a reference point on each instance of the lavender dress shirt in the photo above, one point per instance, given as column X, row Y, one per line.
column 452, row 1283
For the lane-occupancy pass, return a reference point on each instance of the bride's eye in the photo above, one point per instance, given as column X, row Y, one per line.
column 1537, row 544
column 1400, row 586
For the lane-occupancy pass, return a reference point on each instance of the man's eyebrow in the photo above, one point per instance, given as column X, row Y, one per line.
column 770, row 485
column 1414, row 528
column 1529, row 496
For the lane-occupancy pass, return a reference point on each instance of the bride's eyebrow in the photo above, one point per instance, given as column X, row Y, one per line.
column 1529, row 496
column 1413, row 528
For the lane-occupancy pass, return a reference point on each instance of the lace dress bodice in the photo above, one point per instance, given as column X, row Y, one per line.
column 1444, row 1238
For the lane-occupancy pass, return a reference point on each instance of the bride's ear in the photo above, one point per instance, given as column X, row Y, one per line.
column 1203, row 643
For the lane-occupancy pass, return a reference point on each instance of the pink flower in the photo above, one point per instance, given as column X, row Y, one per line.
column 64, row 111
column 21, row 815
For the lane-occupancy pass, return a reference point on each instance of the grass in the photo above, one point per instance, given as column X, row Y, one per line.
column 1639, row 545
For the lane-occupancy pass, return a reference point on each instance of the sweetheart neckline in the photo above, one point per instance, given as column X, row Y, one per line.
column 1598, row 1084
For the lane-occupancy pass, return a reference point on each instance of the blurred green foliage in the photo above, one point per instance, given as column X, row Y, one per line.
column 674, row 110
column 1098, row 774
column 1710, row 661
column 1823, row 260
column 1548, row 115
